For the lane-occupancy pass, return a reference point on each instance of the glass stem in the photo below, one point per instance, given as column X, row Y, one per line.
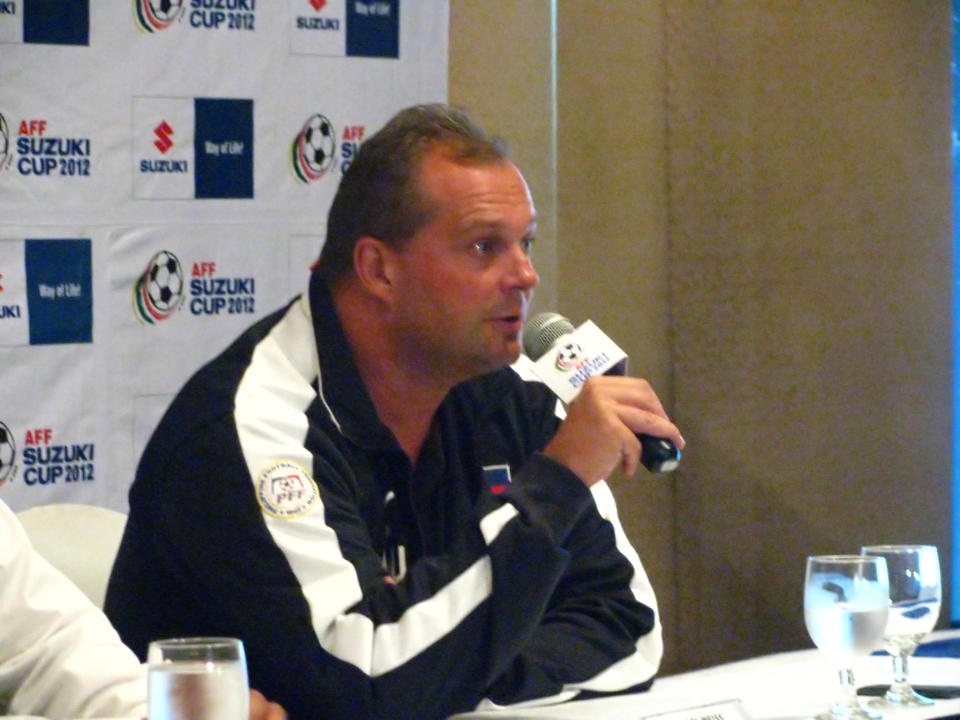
column 900, row 683
column 849, row 688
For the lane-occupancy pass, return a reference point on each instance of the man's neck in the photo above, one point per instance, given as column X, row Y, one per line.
column 406, row 395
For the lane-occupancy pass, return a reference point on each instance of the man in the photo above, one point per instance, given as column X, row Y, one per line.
column 59, row 655
column 393, row 520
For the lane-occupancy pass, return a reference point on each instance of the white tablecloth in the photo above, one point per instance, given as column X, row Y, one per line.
column 792, row 685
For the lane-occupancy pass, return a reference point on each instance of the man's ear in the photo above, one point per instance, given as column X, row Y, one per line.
column 374, row 263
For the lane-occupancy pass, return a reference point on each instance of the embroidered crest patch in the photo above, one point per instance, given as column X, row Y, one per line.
column 285, row 490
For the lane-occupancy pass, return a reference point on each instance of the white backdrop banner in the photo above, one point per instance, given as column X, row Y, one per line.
column 165, row 173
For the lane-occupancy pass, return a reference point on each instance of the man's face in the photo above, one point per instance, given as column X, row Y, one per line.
column 465, row 279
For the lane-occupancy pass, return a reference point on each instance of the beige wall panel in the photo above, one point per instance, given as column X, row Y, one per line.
column 612, row 232
column 811, row 277
column 501, row 70
column 754, row 199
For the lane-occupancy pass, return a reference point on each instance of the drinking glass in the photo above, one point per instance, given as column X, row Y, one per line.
column 197, row 679
column 845, row 601
column 914, row 607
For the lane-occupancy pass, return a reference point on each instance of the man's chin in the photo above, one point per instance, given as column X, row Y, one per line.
column 509, row 356
column 497, row 361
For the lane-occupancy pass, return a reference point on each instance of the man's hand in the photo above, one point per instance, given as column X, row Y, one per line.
column 263, row 709
column 600, row 430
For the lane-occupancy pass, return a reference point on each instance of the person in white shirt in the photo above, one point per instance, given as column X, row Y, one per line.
column 59, row 655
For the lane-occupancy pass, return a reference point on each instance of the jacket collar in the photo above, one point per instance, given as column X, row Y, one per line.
column 339, row 383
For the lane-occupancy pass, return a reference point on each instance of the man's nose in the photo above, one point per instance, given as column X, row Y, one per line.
column 522, row 275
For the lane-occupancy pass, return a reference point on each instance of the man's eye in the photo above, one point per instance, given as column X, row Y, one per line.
column 527, row 245
column 482, row 247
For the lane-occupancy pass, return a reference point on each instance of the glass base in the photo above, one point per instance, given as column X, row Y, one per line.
column 847, row 711
column 905, row 696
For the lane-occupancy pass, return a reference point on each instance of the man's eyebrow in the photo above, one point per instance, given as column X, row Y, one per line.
column 481, row 223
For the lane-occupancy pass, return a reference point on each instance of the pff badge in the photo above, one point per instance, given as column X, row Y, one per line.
column 285, row 490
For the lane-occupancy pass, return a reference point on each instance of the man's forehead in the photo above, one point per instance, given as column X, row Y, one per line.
column 481, row 221
column 486, row 184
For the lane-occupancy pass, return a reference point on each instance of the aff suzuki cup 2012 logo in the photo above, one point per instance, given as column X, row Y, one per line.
column 567, row 357
column 156, row 15
column 8, row 454
column 6, row 150
column 159, row 292
column 314, row 150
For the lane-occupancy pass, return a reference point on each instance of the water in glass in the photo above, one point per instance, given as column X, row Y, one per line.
column 914, row 608
column 845, row 608
column 197, row 679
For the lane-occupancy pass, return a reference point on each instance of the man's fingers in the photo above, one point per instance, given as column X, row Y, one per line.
column 631, row 391
column 263, row 709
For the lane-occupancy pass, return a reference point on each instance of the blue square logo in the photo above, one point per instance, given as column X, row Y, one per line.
column 59, row 291
column 56, row 22
column 223, row 148
column 373, row 28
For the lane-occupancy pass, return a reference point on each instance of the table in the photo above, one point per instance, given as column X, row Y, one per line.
column 785, row 686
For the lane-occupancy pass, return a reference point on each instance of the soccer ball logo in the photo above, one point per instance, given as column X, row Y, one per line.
column 567, row 357
column 6, row 157
column 164, row 278
column 159, row 291
column 314, row 150
column 166, row 9
column 154, row 15
column 8, row 453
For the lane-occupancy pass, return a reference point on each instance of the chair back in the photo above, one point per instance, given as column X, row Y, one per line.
column 81, row 541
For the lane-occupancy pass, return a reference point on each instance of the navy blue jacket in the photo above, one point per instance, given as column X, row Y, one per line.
column 271, row 504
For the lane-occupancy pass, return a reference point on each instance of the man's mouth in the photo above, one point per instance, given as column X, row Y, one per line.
column 509, row 322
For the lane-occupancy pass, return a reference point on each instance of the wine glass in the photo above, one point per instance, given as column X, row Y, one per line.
column 914, row 607
column 845, row 602
column 197, row 679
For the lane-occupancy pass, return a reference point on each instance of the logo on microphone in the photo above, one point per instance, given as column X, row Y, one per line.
column 568, row 356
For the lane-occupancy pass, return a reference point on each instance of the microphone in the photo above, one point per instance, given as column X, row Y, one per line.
column 581, row 352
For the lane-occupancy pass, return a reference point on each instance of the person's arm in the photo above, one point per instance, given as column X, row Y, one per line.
column 601, row 632
column 59, row 655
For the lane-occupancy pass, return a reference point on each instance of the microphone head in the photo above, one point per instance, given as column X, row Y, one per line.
column 542, row 331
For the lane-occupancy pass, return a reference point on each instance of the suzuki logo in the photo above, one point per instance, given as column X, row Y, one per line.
column 163, row 133
column 318, row 5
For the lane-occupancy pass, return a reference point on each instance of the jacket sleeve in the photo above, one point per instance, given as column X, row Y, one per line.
column 432, row 643
column 543, row 602
column 546, row 601
column 59, row 655
column 600, row 633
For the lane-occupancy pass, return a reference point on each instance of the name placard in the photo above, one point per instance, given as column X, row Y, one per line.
column 724, row 710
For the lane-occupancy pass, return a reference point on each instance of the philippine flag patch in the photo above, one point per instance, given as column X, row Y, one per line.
column 497, row 477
